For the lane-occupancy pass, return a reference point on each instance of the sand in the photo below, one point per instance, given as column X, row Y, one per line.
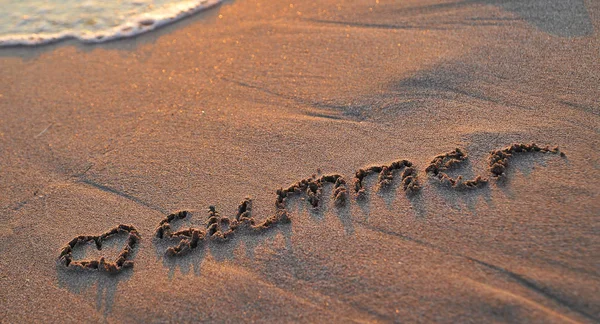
column 251, row 97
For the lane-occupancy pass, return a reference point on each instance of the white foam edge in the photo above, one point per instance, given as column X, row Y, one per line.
column 137, row 25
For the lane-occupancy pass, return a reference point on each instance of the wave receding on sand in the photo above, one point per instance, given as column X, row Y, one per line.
column 138, row 23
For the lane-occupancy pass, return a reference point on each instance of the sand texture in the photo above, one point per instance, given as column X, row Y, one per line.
column 322, row 161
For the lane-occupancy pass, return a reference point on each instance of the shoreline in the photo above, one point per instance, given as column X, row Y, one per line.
column 141, row 24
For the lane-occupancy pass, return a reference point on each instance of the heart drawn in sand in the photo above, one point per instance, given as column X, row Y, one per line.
column 122, row 262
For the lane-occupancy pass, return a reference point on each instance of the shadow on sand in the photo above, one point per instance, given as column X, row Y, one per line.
column 562, row 18
column 79, row 282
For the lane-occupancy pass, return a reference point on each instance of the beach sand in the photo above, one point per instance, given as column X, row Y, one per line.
column 253, row 96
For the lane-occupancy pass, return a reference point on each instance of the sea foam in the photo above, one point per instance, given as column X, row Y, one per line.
column 34, row 22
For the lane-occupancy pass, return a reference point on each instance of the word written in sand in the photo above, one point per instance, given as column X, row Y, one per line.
column 222, row 228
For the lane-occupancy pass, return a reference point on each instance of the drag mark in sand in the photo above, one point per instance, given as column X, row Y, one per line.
column 66, row 255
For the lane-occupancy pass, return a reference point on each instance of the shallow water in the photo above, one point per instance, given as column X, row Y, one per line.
column 32, row 22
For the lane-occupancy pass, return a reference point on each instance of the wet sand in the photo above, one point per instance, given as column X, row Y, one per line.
column 251, row 97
